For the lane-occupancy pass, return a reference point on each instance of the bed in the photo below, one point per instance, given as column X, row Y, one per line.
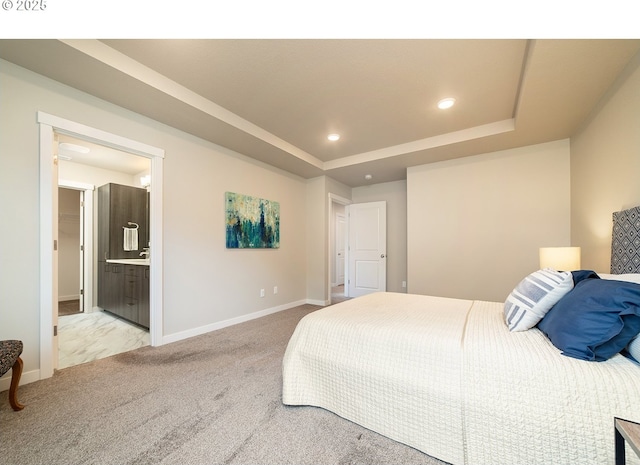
column 462, row 381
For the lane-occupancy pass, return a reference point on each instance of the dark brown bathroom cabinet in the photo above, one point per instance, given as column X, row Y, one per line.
column 123, row 282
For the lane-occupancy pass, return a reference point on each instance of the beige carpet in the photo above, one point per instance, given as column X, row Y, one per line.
column 211, row 399
column 68, row 307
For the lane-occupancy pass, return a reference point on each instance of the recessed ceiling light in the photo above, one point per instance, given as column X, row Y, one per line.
column 333, row 137
column 446, row 103
column 368, row 177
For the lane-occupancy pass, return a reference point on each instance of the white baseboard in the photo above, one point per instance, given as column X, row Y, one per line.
column 34, row 375
column 26, row 378
column 167, row 339
column 64, row 298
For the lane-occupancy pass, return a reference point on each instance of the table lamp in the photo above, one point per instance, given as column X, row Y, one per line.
column 560, row 258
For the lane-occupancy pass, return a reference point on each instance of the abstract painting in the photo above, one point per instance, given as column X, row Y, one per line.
column 252, row 222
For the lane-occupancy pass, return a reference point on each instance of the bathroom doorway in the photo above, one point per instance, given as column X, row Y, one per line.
column 49, row 126
column 85, row 331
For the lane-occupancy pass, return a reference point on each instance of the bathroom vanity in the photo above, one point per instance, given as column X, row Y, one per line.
column 124, row 290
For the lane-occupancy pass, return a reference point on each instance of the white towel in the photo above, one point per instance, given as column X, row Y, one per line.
column 130, row 239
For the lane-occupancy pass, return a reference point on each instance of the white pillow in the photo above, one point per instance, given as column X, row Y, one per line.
column 534, row 296
column 628, row 277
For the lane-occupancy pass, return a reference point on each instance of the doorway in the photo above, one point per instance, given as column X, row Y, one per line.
column 49, row 125
column 70, row 251
column 340, row 250
column 367, row 243
column 337, row 265
column 85, row 331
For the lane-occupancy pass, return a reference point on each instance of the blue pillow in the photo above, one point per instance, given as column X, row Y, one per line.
column 581, row 275
column 595, row 320
column 633, row 349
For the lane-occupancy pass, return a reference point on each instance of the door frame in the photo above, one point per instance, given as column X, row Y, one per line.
column 48, row 125
column 336, row 269
column 331, row 260
column 87, row 232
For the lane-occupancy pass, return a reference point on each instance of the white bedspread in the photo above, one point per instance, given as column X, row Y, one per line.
column 446, row 376
column 389, row 362
column 525, row 403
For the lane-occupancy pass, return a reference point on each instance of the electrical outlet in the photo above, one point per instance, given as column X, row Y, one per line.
column 275, row 289
column 404, row 284
column 261, row 292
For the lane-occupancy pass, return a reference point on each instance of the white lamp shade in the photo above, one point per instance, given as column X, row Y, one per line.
column 560, row 258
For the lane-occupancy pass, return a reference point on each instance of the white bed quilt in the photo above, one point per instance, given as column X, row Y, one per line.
column 447, row 377
column 389, row 362
column 524, row 402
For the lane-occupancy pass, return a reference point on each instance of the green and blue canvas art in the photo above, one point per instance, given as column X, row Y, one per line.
column 252, row 222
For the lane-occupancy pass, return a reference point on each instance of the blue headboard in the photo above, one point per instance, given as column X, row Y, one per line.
column 625, row 241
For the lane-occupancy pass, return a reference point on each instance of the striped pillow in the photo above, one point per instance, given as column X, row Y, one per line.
column 534, row 296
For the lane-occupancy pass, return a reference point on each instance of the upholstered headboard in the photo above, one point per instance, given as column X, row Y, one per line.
column 625, row 241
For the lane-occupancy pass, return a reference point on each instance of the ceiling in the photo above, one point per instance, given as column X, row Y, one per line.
column 101, row 156
column 276, row 100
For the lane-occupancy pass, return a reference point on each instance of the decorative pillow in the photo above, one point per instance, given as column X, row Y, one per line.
column 633, row 348
column 580, row 275
column 534, row 296
column 594, row 321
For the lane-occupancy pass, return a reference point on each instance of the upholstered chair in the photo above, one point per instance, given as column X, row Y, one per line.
column 10, row 351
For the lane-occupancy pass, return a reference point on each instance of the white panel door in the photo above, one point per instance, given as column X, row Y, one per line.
column 367, row 248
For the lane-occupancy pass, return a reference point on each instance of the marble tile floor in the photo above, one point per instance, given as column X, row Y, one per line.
column 85, row 337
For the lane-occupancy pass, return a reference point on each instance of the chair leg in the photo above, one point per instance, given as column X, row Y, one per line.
column 16, row 372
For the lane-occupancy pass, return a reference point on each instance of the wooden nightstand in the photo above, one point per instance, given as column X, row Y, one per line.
column 626, row 431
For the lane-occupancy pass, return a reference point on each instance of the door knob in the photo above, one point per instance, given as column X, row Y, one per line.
column 382, row 256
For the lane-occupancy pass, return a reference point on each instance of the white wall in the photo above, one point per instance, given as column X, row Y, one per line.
column 70, row 171
column 395, row 194
column 605, row 169
column 318, row 233
column 475, row 224
column 317, row 250
column 204, row 283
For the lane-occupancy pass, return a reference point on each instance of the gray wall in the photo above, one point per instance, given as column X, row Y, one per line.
column 605, row 169
column 204, row 283
column 395, row 194
column 475, row 224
